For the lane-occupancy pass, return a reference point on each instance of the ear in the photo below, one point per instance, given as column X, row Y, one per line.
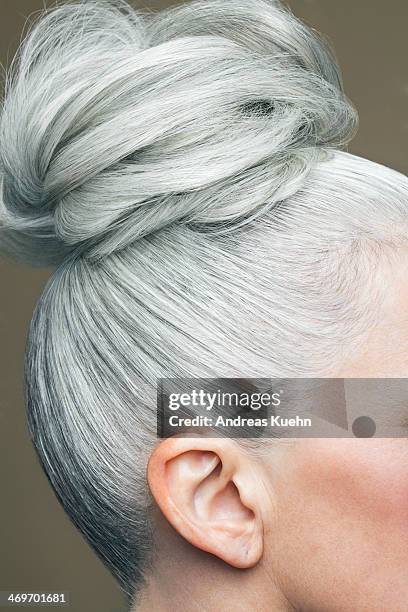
column 208, row 490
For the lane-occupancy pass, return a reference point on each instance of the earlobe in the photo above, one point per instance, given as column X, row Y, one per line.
column 207, row 491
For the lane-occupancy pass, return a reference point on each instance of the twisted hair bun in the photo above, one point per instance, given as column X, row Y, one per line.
column 117, row 124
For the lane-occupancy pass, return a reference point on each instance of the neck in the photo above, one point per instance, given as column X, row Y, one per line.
column 185, row 578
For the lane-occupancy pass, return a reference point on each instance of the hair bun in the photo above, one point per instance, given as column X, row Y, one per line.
column 117, row 124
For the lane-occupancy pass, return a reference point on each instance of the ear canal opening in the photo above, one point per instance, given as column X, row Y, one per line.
column 228, row 501
column 221, row 500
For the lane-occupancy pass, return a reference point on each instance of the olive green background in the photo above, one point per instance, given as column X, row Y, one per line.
column 39, row 548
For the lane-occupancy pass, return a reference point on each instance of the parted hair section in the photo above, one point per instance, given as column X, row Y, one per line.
column 183, row 172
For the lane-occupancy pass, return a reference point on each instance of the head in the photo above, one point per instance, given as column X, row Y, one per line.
column 185, row 174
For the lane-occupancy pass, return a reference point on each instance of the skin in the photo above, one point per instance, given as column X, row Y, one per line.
column 312, row 525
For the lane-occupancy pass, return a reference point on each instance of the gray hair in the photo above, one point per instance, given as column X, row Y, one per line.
column 182, row 170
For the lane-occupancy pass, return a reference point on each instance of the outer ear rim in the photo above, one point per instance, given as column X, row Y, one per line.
column 170, row 510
